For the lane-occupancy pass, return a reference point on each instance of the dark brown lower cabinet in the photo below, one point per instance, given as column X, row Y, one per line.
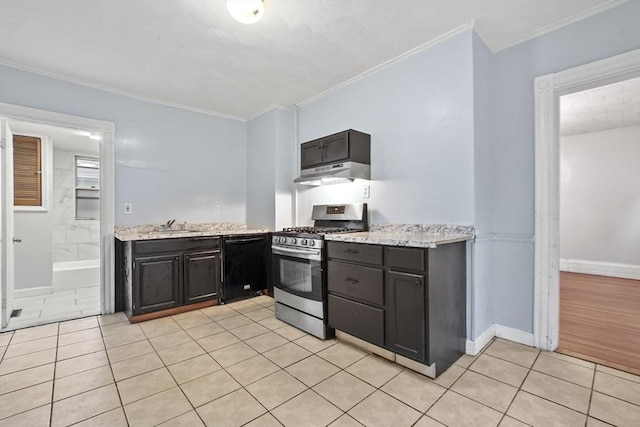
column 405, row 317
column 169, row 273
column 157, row 282
column 201, row 274
column 411, row 301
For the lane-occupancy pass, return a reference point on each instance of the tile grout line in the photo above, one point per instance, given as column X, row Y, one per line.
column 126, row 418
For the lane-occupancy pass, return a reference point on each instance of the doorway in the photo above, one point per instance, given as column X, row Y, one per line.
column 56, row 224
column 600, row 226
column 91, row 242
column 548, row 90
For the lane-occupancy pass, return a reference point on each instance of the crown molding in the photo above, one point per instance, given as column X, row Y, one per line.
column 468, row 26
column 110, row 89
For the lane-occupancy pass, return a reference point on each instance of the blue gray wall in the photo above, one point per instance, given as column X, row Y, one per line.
column 170, row 162
column 607, row 34
column 419, row 113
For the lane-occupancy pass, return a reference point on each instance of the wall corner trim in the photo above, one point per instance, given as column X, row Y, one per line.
column 495, row 330
column 474, row 347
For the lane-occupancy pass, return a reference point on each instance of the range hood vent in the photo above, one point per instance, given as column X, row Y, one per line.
column 342, row 157
column 337, row 173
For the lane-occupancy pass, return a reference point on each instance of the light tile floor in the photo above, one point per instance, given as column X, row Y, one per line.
column 236, row 365
column 56, row 307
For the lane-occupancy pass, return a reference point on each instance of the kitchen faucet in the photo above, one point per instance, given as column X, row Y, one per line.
column 169, row 223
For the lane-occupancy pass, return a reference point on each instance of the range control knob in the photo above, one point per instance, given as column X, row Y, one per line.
column 303, row 242
column 312, row 242
column 292, row 241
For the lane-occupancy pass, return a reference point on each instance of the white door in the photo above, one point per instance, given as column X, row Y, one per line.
column 6, row 194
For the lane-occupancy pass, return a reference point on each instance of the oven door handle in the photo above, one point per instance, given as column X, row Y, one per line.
column 312, row 254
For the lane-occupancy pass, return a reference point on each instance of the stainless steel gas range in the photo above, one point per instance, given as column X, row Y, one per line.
column 299, row 261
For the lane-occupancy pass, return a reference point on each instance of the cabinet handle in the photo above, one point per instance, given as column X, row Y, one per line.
column 350, row 251
column 353, row 281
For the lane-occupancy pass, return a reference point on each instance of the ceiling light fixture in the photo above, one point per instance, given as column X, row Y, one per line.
column 246, row 11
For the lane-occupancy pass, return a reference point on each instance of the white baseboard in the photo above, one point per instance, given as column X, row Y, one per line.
column 474, row 347
column 32, row 292
column 515, row 335
column 609, row 269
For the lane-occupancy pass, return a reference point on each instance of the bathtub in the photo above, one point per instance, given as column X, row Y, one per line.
column 76, row 274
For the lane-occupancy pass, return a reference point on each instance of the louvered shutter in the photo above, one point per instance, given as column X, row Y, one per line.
column 27, row 171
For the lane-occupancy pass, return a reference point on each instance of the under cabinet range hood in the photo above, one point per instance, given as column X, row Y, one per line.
column 334, row 174
column 334, row 159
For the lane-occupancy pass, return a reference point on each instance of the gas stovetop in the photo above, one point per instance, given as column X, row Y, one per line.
column 317, row 230
column 328, row 219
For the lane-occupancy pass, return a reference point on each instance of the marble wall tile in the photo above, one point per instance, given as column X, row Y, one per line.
column 62, row 159
column 65, row 252
column 88, row 250
column 63, row 196
column 62, row 178
column 63, row 216
column 81, row 233
column 59, row 234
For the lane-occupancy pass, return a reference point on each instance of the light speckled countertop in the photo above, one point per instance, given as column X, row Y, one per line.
column 154, row 231
column 411, row 235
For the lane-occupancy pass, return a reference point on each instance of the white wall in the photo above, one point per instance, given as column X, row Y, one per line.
column 170, row 162
column 600, row 196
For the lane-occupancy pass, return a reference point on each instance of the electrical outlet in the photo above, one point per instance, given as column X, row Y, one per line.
column 216, row 209
column 128, row 208
column 366, row 191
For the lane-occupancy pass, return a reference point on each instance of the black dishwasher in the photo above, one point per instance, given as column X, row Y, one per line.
column 245, row 266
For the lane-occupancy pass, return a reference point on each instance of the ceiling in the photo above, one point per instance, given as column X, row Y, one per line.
column 63, row 138
column 191, row 53
column 607, row 107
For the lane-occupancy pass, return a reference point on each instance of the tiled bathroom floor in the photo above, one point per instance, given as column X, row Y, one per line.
column 56, row 307
column 237, row 365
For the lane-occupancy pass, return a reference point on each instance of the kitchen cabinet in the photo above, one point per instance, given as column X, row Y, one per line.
column 169, row 273
column 201, row 276
column 156, row 283
column 349, row 145
column 410, row 301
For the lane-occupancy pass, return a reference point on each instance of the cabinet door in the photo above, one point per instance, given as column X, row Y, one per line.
column 405, row 314
column 335, row 148
column 156, row 283
column 201, row 276
column 311, row 154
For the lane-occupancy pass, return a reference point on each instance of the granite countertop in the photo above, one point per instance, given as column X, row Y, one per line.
column 154, row 231
column 411, row 235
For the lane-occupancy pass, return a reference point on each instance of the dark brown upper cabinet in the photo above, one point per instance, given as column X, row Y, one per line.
column 349, row 145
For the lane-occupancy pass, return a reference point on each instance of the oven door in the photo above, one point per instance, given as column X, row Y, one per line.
column 298, row 271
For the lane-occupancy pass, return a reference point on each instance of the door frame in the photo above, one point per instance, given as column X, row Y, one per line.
column 548, row 89
column 106, row 130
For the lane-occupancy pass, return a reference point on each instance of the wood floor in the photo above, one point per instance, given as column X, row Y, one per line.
column 600, row 320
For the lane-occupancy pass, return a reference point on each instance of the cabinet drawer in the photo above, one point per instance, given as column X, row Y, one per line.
column 178, row 244
column 357, row 319
column 406, row 259
column 362, row 283
column 357, row 252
